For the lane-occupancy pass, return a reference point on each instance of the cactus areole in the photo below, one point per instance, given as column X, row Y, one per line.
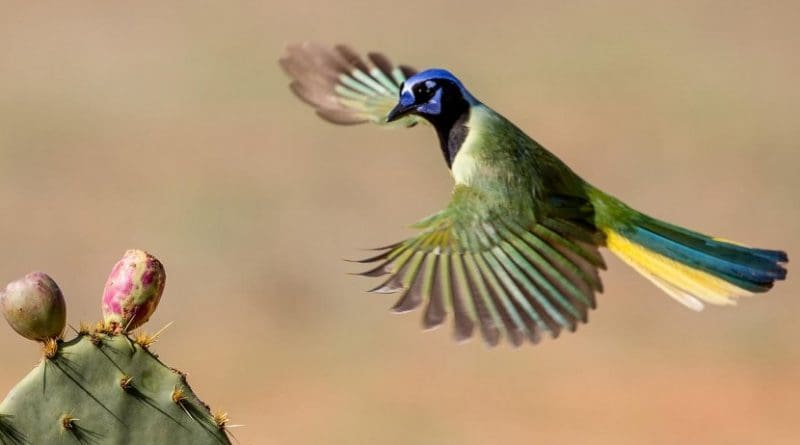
column 133, row 290
column 34, row 307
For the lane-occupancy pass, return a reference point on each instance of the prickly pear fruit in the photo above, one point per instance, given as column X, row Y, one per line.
column 34, row 307
column 133, row 290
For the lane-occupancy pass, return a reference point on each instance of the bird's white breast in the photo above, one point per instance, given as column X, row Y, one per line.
column 466, row 164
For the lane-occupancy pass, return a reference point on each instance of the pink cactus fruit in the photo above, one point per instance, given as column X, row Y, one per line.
column 133, row 290
column 34, row 307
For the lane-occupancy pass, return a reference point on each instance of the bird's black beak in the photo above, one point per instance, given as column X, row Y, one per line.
column 399, row 111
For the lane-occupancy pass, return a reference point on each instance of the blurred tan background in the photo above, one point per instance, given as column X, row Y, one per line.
column 169, row 127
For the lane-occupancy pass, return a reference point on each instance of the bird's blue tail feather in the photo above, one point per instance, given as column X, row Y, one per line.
column 691, row 267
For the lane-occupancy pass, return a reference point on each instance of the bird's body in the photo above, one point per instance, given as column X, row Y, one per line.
column 516, row 249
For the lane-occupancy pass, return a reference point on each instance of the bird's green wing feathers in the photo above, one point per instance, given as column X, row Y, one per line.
column 344, row 88
column 501, row 274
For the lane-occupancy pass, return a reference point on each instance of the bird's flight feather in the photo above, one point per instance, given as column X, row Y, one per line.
column 344, row 88
column 505, row 274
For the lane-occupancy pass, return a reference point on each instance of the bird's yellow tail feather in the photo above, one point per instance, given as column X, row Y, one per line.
column 687, row 285
column 691, row 267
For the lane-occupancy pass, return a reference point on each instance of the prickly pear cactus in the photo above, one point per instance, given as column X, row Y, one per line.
column 106, row 387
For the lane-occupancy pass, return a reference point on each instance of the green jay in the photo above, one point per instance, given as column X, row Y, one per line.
column 516, row 251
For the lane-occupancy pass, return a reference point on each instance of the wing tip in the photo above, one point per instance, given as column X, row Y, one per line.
column 343, row 87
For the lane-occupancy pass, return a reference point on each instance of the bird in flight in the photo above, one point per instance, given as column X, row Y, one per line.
column 516, row 251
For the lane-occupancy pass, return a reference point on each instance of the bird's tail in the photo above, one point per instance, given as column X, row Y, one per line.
column 691, row 267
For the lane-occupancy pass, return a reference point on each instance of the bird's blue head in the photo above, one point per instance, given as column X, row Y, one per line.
column 434, row 94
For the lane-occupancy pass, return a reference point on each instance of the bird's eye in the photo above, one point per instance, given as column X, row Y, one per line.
column 424, row 91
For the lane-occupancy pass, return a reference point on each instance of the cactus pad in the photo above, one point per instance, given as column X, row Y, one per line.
column 102, row 388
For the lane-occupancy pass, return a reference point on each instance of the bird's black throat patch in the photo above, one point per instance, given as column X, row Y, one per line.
column 451, row 122
column 454, row 138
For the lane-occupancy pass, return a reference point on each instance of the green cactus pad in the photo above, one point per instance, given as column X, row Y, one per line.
column 105, row 389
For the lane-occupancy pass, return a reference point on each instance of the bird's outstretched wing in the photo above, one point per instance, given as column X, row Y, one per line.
column 504, row 274
column 342, row 87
